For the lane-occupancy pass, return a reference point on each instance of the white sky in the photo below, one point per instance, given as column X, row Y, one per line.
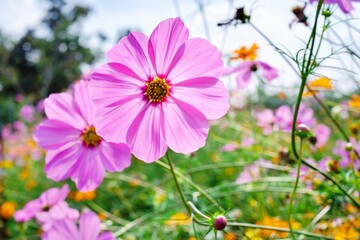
column 111, row 16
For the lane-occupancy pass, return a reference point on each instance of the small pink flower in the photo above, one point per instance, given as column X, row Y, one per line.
column 74, row 148
column 159, row 92
column 245, row 70
column 229, row 147
column 284, row 117
column 89, row 229
column 27, row 113
column 322, row 133
column 247, row 141
column 265, row 119
column 46, row 200
column 345, row 5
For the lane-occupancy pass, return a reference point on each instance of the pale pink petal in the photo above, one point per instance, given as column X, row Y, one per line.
column 90, row 171
column 89, row 226
column 114, row 156
column 133, row 51
column 62, row 230
column 29, row 211
column 194, row 91
column 165, row 40
column 63, row 162
column 83, row 102
column 188, row 63
column 243, row 78
column 185, row 127
column 53, row 134
column 60, row 107
column 54, row 195
column 145, row 137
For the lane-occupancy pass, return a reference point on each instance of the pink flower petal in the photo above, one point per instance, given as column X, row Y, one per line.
column 133, row 51
column 165, row 40
column 243, row 78
column 53, row 134
column 54, row 195
column 89, row 226
column 185, row 127
column 83, row 103
column 90, row 172
column 145, row 137
column 60, row 107
column 106, row 236
column 63, row 162
column 194, row 91
column 115, row 157
column 188, row 63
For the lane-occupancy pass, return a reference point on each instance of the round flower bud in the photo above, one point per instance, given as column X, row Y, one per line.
column 349, row 147
column 303, row 128
column 220, row 222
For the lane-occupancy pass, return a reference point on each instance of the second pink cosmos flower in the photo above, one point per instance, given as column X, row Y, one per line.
column 159, row 92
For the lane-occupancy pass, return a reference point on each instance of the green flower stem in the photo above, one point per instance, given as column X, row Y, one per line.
column 294, row 190
column 177, row 184
column 192, row 184
column 256, row 226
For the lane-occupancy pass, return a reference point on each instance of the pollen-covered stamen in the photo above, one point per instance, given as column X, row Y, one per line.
column 90, row 138
column 157, row 90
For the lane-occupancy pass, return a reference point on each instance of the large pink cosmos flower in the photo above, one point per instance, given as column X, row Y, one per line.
column 159, row 92
column 74, row 147
column 345, row 5
column 46, row 200
column 89, row 229
column 245, row 70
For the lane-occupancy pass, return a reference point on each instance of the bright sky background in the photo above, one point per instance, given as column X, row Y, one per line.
column 112, row 16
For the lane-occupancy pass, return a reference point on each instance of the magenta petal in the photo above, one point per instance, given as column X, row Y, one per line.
column 165, row 40
column 207, row 94
column 106, row 236
column 189, row 61
column 185, row 127
column 133, row 51
column 62, row 230
column 89, row 226
column 63, row 162
column 84, row 104
column 115, row 156
column 145, row 137
column 90, row 171
column 53, row 134
column 60, row 107
column 269, row 72
column 29, row 211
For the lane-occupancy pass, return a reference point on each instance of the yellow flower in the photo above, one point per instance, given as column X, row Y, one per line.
column 355, row 101
column 321, row 83
column 246, row 53
column 178, row 219
column 275, row 222
column 346, row 232
column 7, row 209
column 6, row 164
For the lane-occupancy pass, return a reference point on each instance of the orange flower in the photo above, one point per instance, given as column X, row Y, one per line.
column 230, row 236
column 178, row 219
column 355, row 101
column 346, row 232
column 275, row 222
column 7, row 209
column 246, row 53
column 321, row 83
column 82, row 196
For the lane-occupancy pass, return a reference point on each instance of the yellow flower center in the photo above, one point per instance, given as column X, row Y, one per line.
column 157, row 90
column 90, row 138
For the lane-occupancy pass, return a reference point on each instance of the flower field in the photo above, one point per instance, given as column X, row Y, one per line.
column 173, row 138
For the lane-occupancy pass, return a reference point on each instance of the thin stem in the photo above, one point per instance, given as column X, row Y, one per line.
column 177, row 183
column 192, row 184
column 294, row 189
